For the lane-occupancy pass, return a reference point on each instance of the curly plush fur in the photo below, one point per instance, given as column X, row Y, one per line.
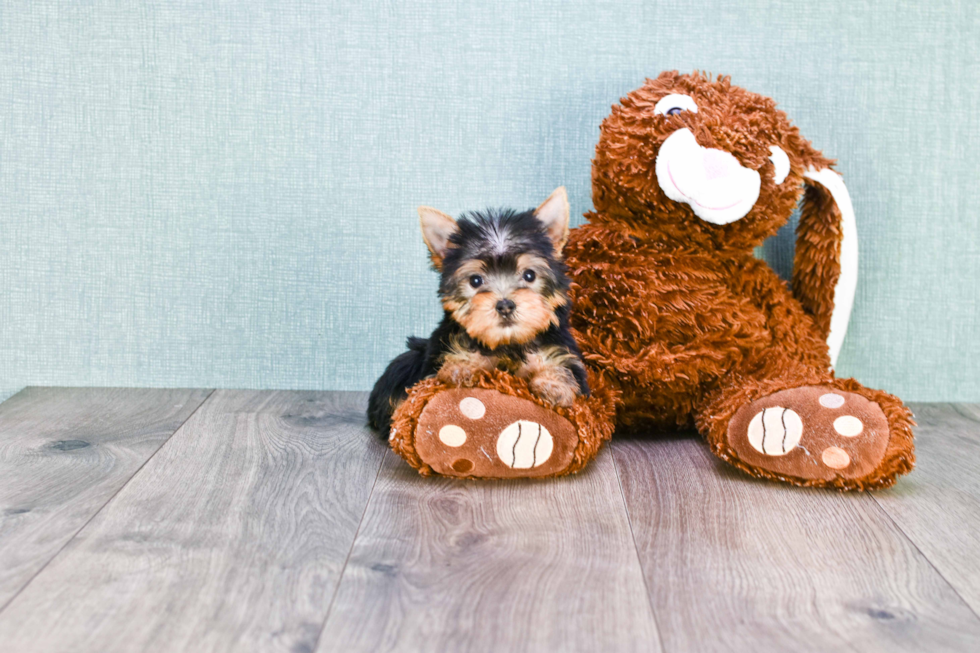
column 675, row 313
column 679, row 324
column 591, row 416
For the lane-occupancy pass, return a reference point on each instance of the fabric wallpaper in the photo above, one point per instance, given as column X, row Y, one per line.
column 212, row 193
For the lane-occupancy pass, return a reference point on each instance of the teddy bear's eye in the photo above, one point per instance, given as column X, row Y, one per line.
column 675, row 103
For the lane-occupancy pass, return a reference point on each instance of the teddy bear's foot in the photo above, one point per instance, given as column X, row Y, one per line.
column 481, row 433
column 812, row 433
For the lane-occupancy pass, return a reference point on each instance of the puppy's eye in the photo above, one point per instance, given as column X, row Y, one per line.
column 476, row 280
column 675, row 103
column 530, row 276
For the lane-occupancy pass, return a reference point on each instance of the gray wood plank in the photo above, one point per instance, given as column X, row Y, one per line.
column 6, row 393
column 64, row 452
column 231, row 538
column 446, row 565
column 736, row 564
column 938, row 506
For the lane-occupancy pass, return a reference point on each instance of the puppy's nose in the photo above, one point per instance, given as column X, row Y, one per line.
column 505, row 307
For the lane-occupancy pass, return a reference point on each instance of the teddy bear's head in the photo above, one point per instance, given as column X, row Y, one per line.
column 701, row 164
column 700, row 161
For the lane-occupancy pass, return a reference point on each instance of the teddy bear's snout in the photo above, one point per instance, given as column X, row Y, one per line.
column 718, row 188
column 718, row 164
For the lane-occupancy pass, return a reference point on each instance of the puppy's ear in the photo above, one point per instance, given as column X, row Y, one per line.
column 437, row 227
column 553, row 213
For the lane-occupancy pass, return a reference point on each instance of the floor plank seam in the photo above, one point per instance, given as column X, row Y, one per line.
column 107, row 502
column 915, row 546
column 957, row 408
column 353, row 542
column 639, row 563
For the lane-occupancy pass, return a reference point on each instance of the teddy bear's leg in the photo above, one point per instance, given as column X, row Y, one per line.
column 807, row 428
column 482, row 433
column 497, row 429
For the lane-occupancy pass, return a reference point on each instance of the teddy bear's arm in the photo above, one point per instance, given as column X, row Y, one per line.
column 791, row 326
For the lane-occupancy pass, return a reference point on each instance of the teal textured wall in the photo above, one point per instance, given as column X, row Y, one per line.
column 222, row 193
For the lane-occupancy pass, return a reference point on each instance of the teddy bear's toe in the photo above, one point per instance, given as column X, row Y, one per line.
column 811, row 433
column 480, row 433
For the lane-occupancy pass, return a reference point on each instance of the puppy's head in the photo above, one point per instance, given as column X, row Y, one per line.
column 502, row 278
column 699, row 160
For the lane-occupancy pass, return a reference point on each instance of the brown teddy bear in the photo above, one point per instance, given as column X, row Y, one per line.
column 680, row 324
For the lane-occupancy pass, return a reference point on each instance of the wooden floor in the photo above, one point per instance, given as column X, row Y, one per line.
column 192, row 520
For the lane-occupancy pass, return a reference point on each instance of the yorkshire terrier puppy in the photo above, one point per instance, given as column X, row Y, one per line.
column 505, row 295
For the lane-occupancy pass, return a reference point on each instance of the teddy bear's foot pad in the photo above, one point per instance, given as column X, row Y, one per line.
column 812, row 432
column 479, row 433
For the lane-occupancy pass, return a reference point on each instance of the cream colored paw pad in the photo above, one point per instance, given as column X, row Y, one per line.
column 775, row 431
column 524, row 445
column 473, row 408
column 848, row 426
column 831, row 400
column 452, row 435
column 835, row 458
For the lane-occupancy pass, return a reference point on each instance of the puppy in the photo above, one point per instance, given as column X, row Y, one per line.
column 505, row 295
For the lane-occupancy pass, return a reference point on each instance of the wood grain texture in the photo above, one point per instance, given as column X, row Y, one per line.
column 938, row 506
column 64, row 452
column 450, row 565
column 231, row 538
column 736, row 564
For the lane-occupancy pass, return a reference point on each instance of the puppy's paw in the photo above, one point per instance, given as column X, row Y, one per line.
column 458, row 374
column 556, row 389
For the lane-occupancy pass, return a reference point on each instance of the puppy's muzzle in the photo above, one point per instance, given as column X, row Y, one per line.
column 505, row 308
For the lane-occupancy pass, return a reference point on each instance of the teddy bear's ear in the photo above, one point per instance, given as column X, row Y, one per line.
column 554, row 214
column 825, row 264
column 437, row 227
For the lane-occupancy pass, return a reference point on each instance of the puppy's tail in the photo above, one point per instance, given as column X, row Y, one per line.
column 391, row 389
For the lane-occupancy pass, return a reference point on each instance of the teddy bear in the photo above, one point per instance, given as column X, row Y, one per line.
column 681, row 326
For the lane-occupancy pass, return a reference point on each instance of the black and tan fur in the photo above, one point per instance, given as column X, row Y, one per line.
column 505, row 299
